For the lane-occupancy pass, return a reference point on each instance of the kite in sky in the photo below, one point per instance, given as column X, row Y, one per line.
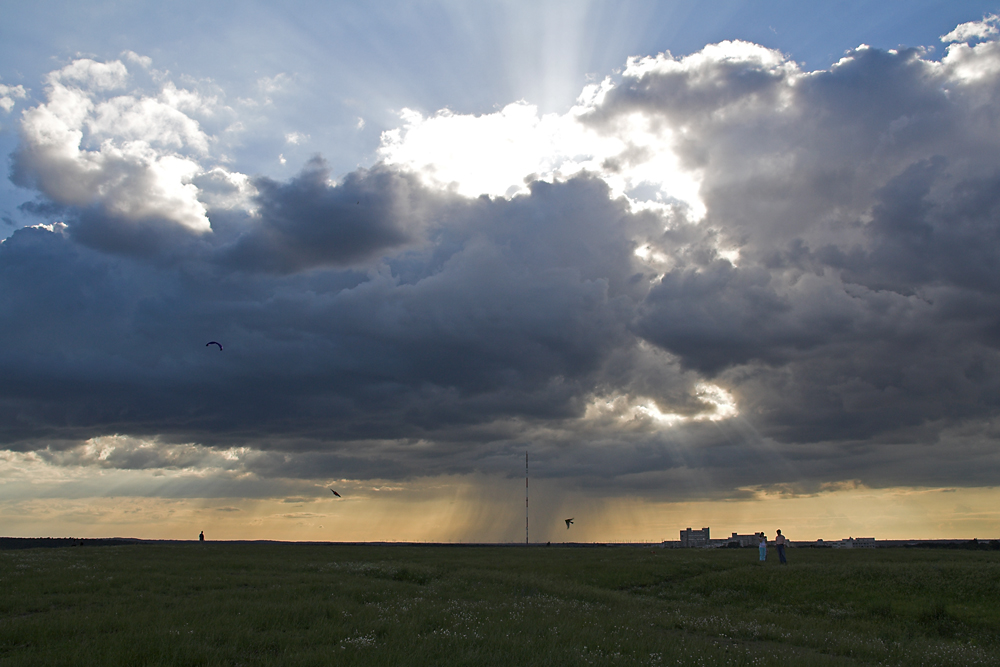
column 212, row 342
column 568, row 522
column 335, row 493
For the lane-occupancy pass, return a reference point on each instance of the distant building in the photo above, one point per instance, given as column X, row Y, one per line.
column 691, row 538
column 855, row 543
column 695, row 538
column 703, row 538
column 744, row 540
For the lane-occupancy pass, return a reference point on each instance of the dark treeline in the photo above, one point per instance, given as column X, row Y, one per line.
column 42, row 542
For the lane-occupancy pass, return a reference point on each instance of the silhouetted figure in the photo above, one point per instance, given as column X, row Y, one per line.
column 568, row 522
column 779, row 543
column 201, row 537
column 762, row 547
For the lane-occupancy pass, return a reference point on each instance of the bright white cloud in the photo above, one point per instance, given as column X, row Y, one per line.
column 134, row 155
column 8, row 95
column 637, row 154
column 221, row 189
column 967, row 63
column 498, row 154
column 985, row 29
column 92, row 75
column 703, row 65
column 128, row 119
column 143, row 61
column 489, row 154
column 187, row 101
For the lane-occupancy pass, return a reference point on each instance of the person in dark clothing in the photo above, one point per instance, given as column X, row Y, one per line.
column 779, row 543
column 201, row 538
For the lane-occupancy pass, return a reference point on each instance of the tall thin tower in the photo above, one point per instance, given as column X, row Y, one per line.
column 525, row 498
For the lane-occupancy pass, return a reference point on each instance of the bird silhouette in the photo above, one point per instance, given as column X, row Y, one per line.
column 568, row 522
column 335, row 493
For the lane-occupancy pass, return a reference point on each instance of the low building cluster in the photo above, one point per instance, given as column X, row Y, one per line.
column 702, row 538
column 855, row 543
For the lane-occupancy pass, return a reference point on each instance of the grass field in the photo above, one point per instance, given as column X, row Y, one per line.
column 307, row 604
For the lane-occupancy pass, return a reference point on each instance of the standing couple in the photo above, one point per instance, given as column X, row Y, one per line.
column 779, row 542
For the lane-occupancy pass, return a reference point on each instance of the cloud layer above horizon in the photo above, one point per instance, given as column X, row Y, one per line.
column 717, row 272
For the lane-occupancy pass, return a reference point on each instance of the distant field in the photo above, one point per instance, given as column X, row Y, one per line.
column 298, row 604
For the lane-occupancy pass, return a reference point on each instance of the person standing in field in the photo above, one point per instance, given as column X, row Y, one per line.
column 780, row 543
column 201, row 537
column 763, row 547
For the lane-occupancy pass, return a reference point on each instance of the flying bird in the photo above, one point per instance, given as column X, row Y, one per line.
column 568, row 522
column 335, row 493
column 212, row 342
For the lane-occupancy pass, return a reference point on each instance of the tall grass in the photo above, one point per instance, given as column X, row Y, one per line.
column 298, row 604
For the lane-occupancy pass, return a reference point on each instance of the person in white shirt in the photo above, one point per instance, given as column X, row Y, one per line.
column 763, row 547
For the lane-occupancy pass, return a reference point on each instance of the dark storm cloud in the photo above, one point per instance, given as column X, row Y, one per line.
column 311, row 222
column 378, row 327
column 863, row 201
column 510, row 312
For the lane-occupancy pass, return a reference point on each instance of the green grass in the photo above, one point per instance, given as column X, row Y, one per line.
column 299, row 604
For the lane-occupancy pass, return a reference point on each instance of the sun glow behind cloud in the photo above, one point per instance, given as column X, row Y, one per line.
column 718, row 404
column 498, row 154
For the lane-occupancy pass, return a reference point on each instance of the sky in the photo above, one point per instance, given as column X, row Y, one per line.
column 727, row 264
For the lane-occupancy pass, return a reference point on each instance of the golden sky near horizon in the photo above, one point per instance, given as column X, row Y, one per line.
column 476, row 509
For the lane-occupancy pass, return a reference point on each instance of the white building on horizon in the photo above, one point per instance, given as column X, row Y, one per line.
column 855, row 543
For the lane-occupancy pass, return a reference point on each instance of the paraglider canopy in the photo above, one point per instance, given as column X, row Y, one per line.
column 212, row 342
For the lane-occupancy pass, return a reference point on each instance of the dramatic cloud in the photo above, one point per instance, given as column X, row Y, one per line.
column 717, row 274
column 123, row 162
column 313, row 222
